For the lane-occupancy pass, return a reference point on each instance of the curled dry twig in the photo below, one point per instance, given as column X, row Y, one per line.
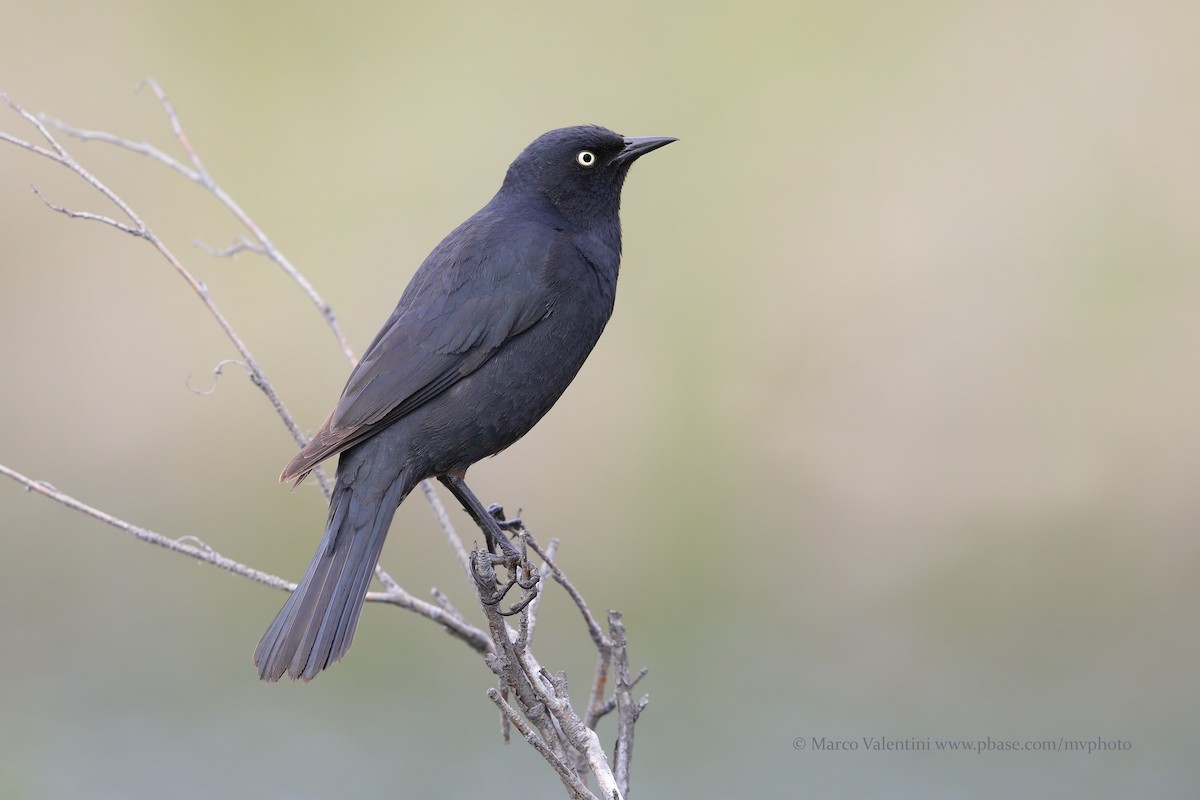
column 568, row 742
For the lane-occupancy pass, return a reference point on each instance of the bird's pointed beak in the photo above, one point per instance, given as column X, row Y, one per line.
column 637, row 146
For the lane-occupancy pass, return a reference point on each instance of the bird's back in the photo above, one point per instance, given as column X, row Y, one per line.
column 488, row 334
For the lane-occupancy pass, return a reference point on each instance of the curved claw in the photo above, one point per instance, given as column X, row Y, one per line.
column 494, row 601
column 494, row 598
column 520, row 606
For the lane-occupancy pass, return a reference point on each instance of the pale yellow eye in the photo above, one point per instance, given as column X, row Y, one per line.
column 586, row 158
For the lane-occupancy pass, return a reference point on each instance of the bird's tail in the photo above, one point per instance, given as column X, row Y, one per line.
column 317, row 623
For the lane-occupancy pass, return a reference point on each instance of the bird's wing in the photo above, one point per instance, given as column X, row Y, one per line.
column 480, row 287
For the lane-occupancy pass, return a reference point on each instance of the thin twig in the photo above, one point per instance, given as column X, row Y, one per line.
column 596, row 704
column 627, row 710
column 199, row 175
column 240, row 246
column 139, row 228
column 217, row 372
column 452, row 537
column 200, row 551
column 444, row 603
column 529, row 618
column 67, row 212
column 60, row 156
column 454, row 624
column 594, row 630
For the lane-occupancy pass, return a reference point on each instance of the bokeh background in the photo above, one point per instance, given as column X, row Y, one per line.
column 894, row 432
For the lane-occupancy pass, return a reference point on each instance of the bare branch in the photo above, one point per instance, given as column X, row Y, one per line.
column 24, row 145
column 198, row 551
column 454, row 624
column 593, row 627
column 452, row 537
column 443, row 601
column 121, row 226
column 193, row 547
column 627, row 710
column 61, row 157
column 596, row 707
column 262, row 244
column 199, row 175
column 569, row 778
column 141, row 148
column 543, row 697
column 552, row 691
column 505, row 661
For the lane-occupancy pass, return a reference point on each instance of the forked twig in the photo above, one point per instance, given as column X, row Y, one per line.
column 199, row 175
column 136, row 227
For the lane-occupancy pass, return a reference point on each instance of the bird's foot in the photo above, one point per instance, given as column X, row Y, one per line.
column 496, row 512
column 522, row 573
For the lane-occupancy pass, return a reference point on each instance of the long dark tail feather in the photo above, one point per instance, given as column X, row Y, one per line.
column 316, row 625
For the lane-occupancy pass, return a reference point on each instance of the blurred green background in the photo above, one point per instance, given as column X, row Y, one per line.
column 894, row 432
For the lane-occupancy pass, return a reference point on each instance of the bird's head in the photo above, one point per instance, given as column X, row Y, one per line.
column 580, row 169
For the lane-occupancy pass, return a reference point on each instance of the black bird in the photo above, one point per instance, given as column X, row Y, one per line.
column 488, row 335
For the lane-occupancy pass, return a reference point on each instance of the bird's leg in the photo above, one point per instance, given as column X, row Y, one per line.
column 490, row 520
column 492, row 530
column 496, row 512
